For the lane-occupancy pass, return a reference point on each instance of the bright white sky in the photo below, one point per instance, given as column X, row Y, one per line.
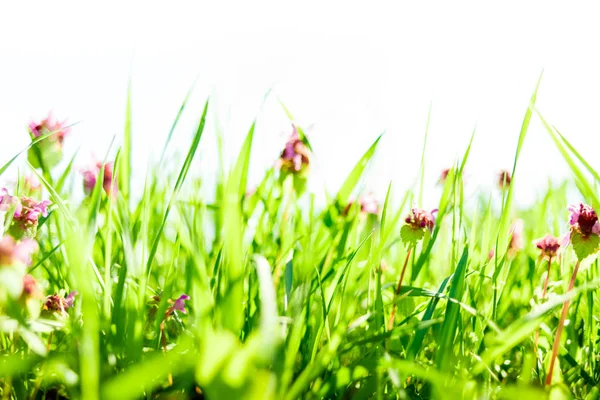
column 350, row 72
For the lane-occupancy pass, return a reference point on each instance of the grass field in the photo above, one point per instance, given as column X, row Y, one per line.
column 263, row 295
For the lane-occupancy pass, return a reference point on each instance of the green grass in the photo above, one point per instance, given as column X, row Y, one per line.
column 291, row 301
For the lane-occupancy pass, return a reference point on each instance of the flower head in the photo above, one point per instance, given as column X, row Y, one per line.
column 49, row 151
column 58, row 304
column 27, row 215
column 421, row 219
column 504, row 179
column 13, row 252
column 444, row 175
column 178, row 305
column 32, row 183
column 48, row 125
column 516, row 239
column 295, row 157
column 549, row 246
column 30, row 287
column 91, row 174
column 368, row 205
column 584, row 219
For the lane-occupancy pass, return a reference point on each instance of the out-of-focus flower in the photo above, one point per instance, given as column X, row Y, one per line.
column 516, row 239
column 30, row 287
column 549, row 246
column 27, row 215
column 91, row 174
column 444, row 176
column 13, row 252
column 32, row 183
column 295, row 157
column 368, row 205
column 177, row 305
column 48, row 152
column 58, row 304
column 491, row 254
column 6, row 200
column 504, row 179
column 421, row 219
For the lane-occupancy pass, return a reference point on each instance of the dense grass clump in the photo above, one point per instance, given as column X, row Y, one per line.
column 264, row 295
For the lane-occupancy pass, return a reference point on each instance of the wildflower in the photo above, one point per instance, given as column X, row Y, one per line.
column 504, row 179
column 49, row 151
column 6, row 200
column 58, row 304
column 27, row 215
column 444, row 176
column 368, row 205
column 32, row 183
column 584, row 220
column 516, row 239
column 421, row 219
column 91, row 174
column 177, row 305
column 30, row 287
column 13, row 252
column 295, row 157
column 549, row 246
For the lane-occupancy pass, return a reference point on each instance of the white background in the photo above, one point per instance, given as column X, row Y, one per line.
column 350, row 72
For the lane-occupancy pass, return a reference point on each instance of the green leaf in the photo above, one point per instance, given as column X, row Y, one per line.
column 344, row 193
column 585, row 246
column 411, row 235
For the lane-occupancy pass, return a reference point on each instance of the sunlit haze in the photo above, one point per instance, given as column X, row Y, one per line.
column 346, row 73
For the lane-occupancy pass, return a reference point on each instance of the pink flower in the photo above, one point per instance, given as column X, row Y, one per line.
column 28, row 211
column 91, row 174
column 178, row 305
column 549, row 246
column 6, row 200
column 584, row 219
column 421, row 219
column 516, row 239
column 13, row 252
column 30, row 287
column 32, row 183
column 295, row 156
column 368, row 205
column 48, row 125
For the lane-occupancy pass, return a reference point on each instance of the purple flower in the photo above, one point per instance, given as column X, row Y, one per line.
column 58, row 304
column 421, row 219
column 584, row 219
column 295, row 156
column 549, row 246
column 91, row 174
column 6, row 200
column 178, row 305
column 28, row 211
column 12, row 252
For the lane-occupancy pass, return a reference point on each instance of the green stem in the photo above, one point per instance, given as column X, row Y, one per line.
column 560, row 327
column 537, row 332
column 394, row 305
